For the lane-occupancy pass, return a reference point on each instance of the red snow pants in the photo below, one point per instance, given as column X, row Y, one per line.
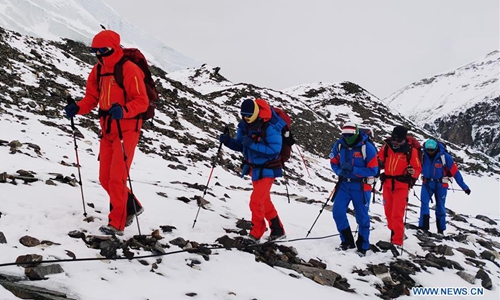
column 261, row 206
column 112, row 171
column 395, row 201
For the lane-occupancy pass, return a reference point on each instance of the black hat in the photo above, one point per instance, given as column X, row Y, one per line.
column 250, row 109
column 399, row 133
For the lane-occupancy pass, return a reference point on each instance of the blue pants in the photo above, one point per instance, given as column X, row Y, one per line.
column 361, row 201
column 429, row 189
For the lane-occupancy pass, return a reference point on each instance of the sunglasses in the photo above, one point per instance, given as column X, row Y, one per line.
column 431, row 150
column 347, row 135
column 99, row 50
column 398, row 140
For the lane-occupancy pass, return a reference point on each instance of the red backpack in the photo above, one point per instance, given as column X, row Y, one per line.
column 135, row 55
column 288, row 140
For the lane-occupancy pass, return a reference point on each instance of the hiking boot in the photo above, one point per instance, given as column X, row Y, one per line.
column 253, row 239
column 130, row 218
column 344, row 246
column 110, row 230
column 275, row 237
column 348, row 242
column 276, row 227
column 361, row 252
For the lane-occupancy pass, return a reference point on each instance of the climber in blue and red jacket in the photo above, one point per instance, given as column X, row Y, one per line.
column 438, row 168
column 260, row 141
column 354, row 160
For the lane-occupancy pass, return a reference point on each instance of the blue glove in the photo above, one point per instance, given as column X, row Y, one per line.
column 116, row 112
column 347, row 167
column 224, row 138
column 344, row 173
column 246, row 141
column 71, row 110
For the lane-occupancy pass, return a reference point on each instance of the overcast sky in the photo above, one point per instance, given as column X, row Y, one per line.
column 381, row 45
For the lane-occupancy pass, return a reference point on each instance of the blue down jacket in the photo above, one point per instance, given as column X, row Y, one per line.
column 261, row 150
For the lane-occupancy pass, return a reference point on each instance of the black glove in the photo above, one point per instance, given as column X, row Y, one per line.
column 71, row 110
column 116, row 112
column 346, row 167
column 224, row 138
column 467, row 191
column 382, row 177
column 246, row 141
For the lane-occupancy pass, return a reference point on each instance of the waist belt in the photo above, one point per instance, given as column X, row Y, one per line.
column 261, row 166
column 107, row 119
column 401, row 178
column 433, row 179
column 347, row 179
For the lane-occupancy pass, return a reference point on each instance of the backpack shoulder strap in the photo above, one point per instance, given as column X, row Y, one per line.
column 263, row 133
column 409, row 153
column 118, row 72
column 98, row 78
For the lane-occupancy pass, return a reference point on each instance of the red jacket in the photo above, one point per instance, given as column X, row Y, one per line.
column 395, row 163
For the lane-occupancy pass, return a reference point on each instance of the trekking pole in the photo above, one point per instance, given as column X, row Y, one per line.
column 214, row 162
column 415, row 194
column 286, row 184
column 330, row 197
column 404, row 224
column 303, row 160
column 77, row 159
column 120, row 134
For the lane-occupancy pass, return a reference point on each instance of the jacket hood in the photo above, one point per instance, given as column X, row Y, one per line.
column 108, row 38
column 264, row 109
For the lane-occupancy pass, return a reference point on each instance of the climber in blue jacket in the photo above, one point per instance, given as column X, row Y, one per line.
column 438, row 168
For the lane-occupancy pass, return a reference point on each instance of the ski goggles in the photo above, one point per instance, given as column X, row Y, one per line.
column 397, row 139
column 246, row 116
column 429, row 150
column 99, row 51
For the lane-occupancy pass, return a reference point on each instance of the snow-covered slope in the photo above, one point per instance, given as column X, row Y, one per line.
column 80, row 20
column 449, row 93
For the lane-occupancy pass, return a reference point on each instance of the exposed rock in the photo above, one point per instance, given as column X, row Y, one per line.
column 467, row 277
column 444, row 250
column 29, row 241
column 486, row 219
column 39, row 272
column 244, row 224
column 468, row 252
column 25, row 291
column 485, row 279
column 3, row 240
column 488, row 255
column 28, row 260
column 179, row 242
column 321, row 276
column 108, row 248
column 167, row 228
